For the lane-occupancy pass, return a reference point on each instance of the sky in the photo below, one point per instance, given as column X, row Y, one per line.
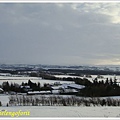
column 60, row 34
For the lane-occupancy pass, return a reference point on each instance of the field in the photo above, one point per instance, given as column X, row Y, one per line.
column 93, row 77
column 57, row 111
column 19, row 80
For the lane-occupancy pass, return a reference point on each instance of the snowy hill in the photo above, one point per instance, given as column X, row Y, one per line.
column 73, row 67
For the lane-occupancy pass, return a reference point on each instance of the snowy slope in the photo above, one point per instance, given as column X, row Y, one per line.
column 63, row 111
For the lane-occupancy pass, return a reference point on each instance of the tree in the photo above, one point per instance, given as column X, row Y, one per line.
column 38, row 85
column 0, row 103
column 111, row 82
column 6, row 86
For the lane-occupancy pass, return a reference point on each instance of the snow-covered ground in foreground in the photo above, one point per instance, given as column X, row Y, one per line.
column 4, row 99
column 63, row 111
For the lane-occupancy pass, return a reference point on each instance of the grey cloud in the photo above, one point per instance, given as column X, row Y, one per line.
column 56, row 34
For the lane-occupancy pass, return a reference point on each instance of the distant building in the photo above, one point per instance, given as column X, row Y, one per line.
column 38, row 92
column 66, row 85
column 76, row 86
column 25, row 88
column 66, row 88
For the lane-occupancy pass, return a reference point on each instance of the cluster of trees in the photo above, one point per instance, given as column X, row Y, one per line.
column 83, row 81
column 45, row 75
column 7, row 87
column 61, row 101
column 37, row 86
column 33, row 86
column 101, row 88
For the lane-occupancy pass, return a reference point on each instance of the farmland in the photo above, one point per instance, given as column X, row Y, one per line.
column 61, row 98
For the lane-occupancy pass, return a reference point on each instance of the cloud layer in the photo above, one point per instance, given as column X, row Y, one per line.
column 83, row 33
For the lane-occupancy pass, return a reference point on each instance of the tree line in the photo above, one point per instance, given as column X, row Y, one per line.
column 61, row 101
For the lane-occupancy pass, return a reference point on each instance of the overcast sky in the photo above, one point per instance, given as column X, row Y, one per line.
column 62, row 34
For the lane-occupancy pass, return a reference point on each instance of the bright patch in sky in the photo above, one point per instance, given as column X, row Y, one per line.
column 110, row 9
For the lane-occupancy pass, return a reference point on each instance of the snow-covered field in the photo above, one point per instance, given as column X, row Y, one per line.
column 93, row 77
column 63, row 111
column 19, row 80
